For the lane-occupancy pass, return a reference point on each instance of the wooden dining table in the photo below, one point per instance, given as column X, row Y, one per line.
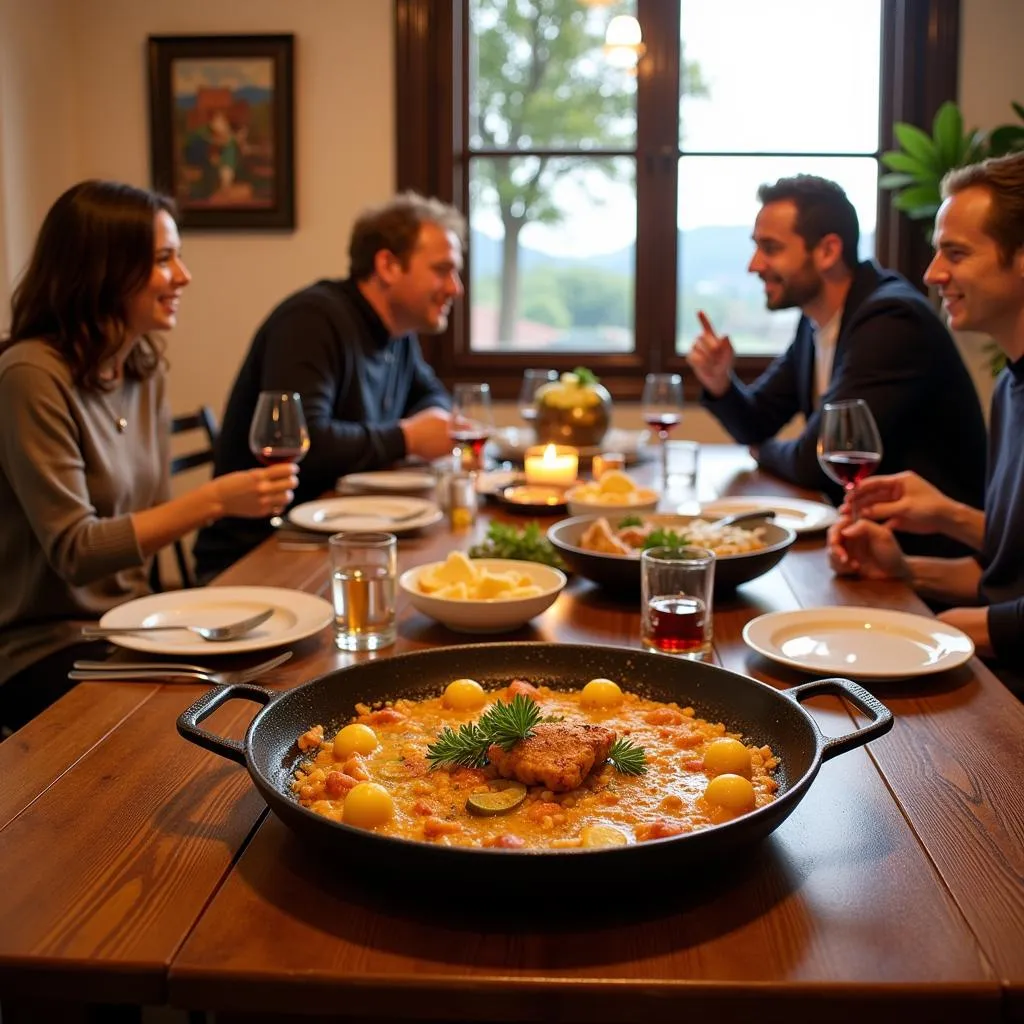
column 140, row 870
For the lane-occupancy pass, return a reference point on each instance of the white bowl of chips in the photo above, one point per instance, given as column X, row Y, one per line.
column 482, row 595
column 615, row 492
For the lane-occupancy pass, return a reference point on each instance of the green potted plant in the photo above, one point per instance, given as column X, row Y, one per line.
column 918, row 166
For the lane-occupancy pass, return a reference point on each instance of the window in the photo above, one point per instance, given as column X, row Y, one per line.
column 606, row 207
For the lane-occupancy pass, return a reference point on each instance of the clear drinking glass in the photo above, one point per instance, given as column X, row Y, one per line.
column 661, row 406
column 676, row 586
column 532, row 380
column 849, row 445
column 364, row 568
column 472, row 423
column 278, row 430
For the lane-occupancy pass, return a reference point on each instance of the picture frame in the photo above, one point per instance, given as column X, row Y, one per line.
column 222, row 129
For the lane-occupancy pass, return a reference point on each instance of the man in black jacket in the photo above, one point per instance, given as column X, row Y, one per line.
column 979, row 271
column 350, row 349
column 865, row 333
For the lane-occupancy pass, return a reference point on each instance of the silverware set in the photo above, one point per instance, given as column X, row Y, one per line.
column 216, row 634
column 167, row 671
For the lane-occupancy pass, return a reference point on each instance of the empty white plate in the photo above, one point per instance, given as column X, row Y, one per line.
column 798, row 514
column 867, row 643
column 389, row 481
column 394, row 514
column 296, row 615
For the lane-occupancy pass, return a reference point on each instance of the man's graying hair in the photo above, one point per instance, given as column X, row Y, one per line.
column 395, row 226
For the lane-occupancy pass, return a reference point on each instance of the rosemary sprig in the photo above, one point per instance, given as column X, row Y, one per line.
column 504, row 724
column 627, row 758
column 466, row 748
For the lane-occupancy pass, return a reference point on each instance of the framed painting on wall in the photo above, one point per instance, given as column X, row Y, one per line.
column 221, row 129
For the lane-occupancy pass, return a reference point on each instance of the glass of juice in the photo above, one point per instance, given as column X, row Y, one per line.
column 364, row 567
column 676, row 585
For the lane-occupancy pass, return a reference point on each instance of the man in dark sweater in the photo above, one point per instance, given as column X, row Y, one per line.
column 350, row 349
column 979, row 271
column 865, row 333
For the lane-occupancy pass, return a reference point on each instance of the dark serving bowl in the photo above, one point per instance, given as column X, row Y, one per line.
column 623, row 571
column 760, row 713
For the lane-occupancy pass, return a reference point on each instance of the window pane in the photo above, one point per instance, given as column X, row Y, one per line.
column 800, row 76
column 717, row 207
column 539, row 78
column 551, row 258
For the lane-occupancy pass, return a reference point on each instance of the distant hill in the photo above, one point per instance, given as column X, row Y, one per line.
column 712, row 253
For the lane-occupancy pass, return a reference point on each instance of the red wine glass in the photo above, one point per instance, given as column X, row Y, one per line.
column 661, row 406
column 278, row 431
column 472, row 423
column 849, row 445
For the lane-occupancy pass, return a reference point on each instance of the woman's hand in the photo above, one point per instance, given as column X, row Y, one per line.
column 902, row 501
column 866, row 549
column 254, row 493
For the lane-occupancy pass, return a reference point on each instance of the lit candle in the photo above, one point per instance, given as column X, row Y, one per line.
column 554, row 464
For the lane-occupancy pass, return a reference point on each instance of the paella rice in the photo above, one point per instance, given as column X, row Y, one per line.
column 556, row 789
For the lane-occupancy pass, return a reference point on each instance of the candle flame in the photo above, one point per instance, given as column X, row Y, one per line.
column 550, row 455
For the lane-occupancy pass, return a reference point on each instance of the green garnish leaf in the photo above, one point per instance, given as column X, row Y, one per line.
column 627, row 758
column 507, row 724
column 586, row 376
column 528, row 544
column 466, row 748
column 630, row 521
column 504, row 724
column 662, row 538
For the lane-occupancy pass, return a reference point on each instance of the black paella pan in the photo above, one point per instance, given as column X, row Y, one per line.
column 762, row 714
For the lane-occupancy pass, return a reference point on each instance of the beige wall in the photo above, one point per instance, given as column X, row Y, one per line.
column 73, row 104
column 87, row 116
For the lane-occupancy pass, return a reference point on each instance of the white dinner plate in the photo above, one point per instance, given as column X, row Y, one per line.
column 867, row 643
column 365, row 512
column 511, row 443
column 799, row 515
column 389, row 481
column 296, row 615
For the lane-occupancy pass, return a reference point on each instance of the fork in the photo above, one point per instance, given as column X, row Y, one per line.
column 232, row 631
column 114, row 671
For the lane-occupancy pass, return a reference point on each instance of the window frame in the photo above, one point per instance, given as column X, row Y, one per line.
column 919, row 60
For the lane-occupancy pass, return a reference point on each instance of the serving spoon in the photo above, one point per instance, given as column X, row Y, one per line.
column 232, row 631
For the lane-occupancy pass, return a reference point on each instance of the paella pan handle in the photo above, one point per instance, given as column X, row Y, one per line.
column 880, row 715
column 189, row 719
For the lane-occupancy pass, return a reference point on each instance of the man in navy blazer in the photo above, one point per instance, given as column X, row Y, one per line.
column 864, row 333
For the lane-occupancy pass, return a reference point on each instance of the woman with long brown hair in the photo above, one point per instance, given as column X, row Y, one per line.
column 84, row 440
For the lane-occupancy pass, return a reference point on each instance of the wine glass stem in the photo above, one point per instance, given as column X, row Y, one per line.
column 849, row 488
column 663, row 437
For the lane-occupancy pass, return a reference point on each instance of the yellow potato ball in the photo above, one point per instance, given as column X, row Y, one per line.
column 367, row 806
column 355, row 739
column 727, row 757
column 730, row 792
column 601, row 693
column 464, row 695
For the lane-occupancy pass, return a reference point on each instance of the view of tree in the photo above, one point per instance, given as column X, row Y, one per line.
column 542, row 83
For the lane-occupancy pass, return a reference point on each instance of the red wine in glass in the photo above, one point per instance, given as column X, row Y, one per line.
column 661, row 406
column 472, row 422
column 271, row 456
column 675, row 624
column 662, row 422
column 849, row 445
column 472, row 439
column 849, row 468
